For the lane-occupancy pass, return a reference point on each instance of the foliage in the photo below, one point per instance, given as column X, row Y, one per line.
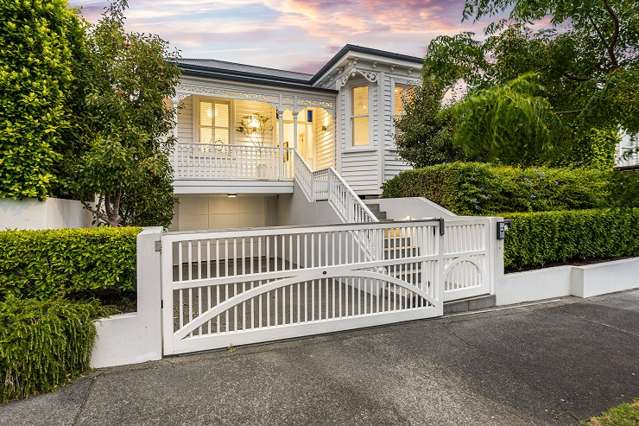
column 509, row 124
column 626, row 414
column 43, row 344
column 74, row 263
column 586, row 66
column 40, row 47
column 424, row 132
column 541, row 238
column 590, row 50
column 124, row 159
column 483, row 189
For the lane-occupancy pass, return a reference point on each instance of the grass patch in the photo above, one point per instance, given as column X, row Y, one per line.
column 626, row 414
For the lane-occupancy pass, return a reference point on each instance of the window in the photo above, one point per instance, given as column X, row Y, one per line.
column 214, row 122
column 359, row 119
column 400, row 95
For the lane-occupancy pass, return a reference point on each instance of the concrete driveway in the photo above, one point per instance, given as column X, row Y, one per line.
column 557, row 362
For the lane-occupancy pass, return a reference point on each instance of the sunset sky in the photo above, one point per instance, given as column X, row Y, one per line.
column 290, row 34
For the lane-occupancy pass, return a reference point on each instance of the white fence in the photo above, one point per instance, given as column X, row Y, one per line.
column 247, row 286
column 469, row 257
column 220, row 161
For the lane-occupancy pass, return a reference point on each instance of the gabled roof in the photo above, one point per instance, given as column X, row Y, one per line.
column 275, row 77
column 366, row 50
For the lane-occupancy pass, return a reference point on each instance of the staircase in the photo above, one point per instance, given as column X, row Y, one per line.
column 379, row 214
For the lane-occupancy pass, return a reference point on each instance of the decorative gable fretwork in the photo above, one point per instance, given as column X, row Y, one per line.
column 281, row 99
column 352, row 71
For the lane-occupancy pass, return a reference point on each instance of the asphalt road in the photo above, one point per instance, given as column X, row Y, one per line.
column 553, row 363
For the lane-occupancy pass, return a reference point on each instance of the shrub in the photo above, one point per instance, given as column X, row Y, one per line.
column 540, row 238
column 40, row 47
column 74, row 263
column 43, row 344
column 483, row 189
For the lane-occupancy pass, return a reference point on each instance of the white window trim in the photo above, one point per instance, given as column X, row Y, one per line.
column 196, row 116
column 350, row 107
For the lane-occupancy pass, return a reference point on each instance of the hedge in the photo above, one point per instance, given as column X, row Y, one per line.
column 72, row 263
column 43, row 344
column 484, row 189
column 40, row 52
column 541, row 238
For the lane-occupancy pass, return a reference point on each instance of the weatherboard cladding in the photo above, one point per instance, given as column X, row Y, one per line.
column 363, row 168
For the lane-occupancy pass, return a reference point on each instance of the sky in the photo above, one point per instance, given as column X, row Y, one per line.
column 299, row 35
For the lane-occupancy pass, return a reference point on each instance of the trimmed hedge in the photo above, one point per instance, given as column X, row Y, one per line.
column 43, row 344
column 72, row 263
column 484, row 189
column 541, row 238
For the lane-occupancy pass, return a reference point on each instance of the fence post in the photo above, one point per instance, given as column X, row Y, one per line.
column 496, row 255
column 135, row 337
column 441, row 267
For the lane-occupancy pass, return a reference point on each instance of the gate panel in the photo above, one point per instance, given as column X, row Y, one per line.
column 233, row 288
column 466, row 258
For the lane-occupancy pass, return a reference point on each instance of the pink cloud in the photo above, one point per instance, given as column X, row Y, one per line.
column 292, row 34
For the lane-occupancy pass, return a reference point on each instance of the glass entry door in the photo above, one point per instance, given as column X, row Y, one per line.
column 305, row 134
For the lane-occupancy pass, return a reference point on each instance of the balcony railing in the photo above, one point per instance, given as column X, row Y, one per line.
column 219, row 161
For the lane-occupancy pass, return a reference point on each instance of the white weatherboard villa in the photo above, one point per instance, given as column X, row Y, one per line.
column 284, row 172
column 249, row 132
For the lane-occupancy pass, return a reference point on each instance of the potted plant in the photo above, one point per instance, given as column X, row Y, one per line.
column 256, row 126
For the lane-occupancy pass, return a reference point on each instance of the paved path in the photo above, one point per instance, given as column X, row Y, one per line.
column 551, row 363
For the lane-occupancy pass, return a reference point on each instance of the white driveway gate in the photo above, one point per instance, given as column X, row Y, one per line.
column 224, row 288
column 468, row 257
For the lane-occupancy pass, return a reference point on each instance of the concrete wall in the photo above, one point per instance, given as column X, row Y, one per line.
column 410, row 208
column 52, row 213
column 568, row 280
column 135, row 337
column 220, row 212
column 295, row 209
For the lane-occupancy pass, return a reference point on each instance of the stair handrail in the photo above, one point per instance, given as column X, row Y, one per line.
column 358, row 201
column 304, row 179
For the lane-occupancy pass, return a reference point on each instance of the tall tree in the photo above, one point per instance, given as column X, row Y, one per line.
column 593, row 52
column 585, row 63
column 424, row 132
column 127, row 125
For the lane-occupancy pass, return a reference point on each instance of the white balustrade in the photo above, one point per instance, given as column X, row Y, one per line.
column 303, row 176
column 220, row 161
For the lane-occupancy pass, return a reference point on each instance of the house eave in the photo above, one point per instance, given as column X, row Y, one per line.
column 251, row 78
column 366, row 53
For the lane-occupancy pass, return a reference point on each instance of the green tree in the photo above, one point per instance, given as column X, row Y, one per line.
column 126, row 125
column 509, row 124
column 590, row 55
column 40, row 48
column 424, row 132
column 586, row 64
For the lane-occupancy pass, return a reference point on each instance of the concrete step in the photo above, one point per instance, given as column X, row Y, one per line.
column 470, row 304
column 374, row 208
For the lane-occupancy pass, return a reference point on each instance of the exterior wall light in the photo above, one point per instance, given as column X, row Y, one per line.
column 231, row 195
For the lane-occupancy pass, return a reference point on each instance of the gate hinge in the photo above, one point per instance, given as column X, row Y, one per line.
column 158, row 246
column 442, row 227
column 162, row 304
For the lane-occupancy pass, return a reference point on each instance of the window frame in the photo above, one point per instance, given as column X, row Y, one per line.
column 404, row 87
column 198, row 119
column 353, row 116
